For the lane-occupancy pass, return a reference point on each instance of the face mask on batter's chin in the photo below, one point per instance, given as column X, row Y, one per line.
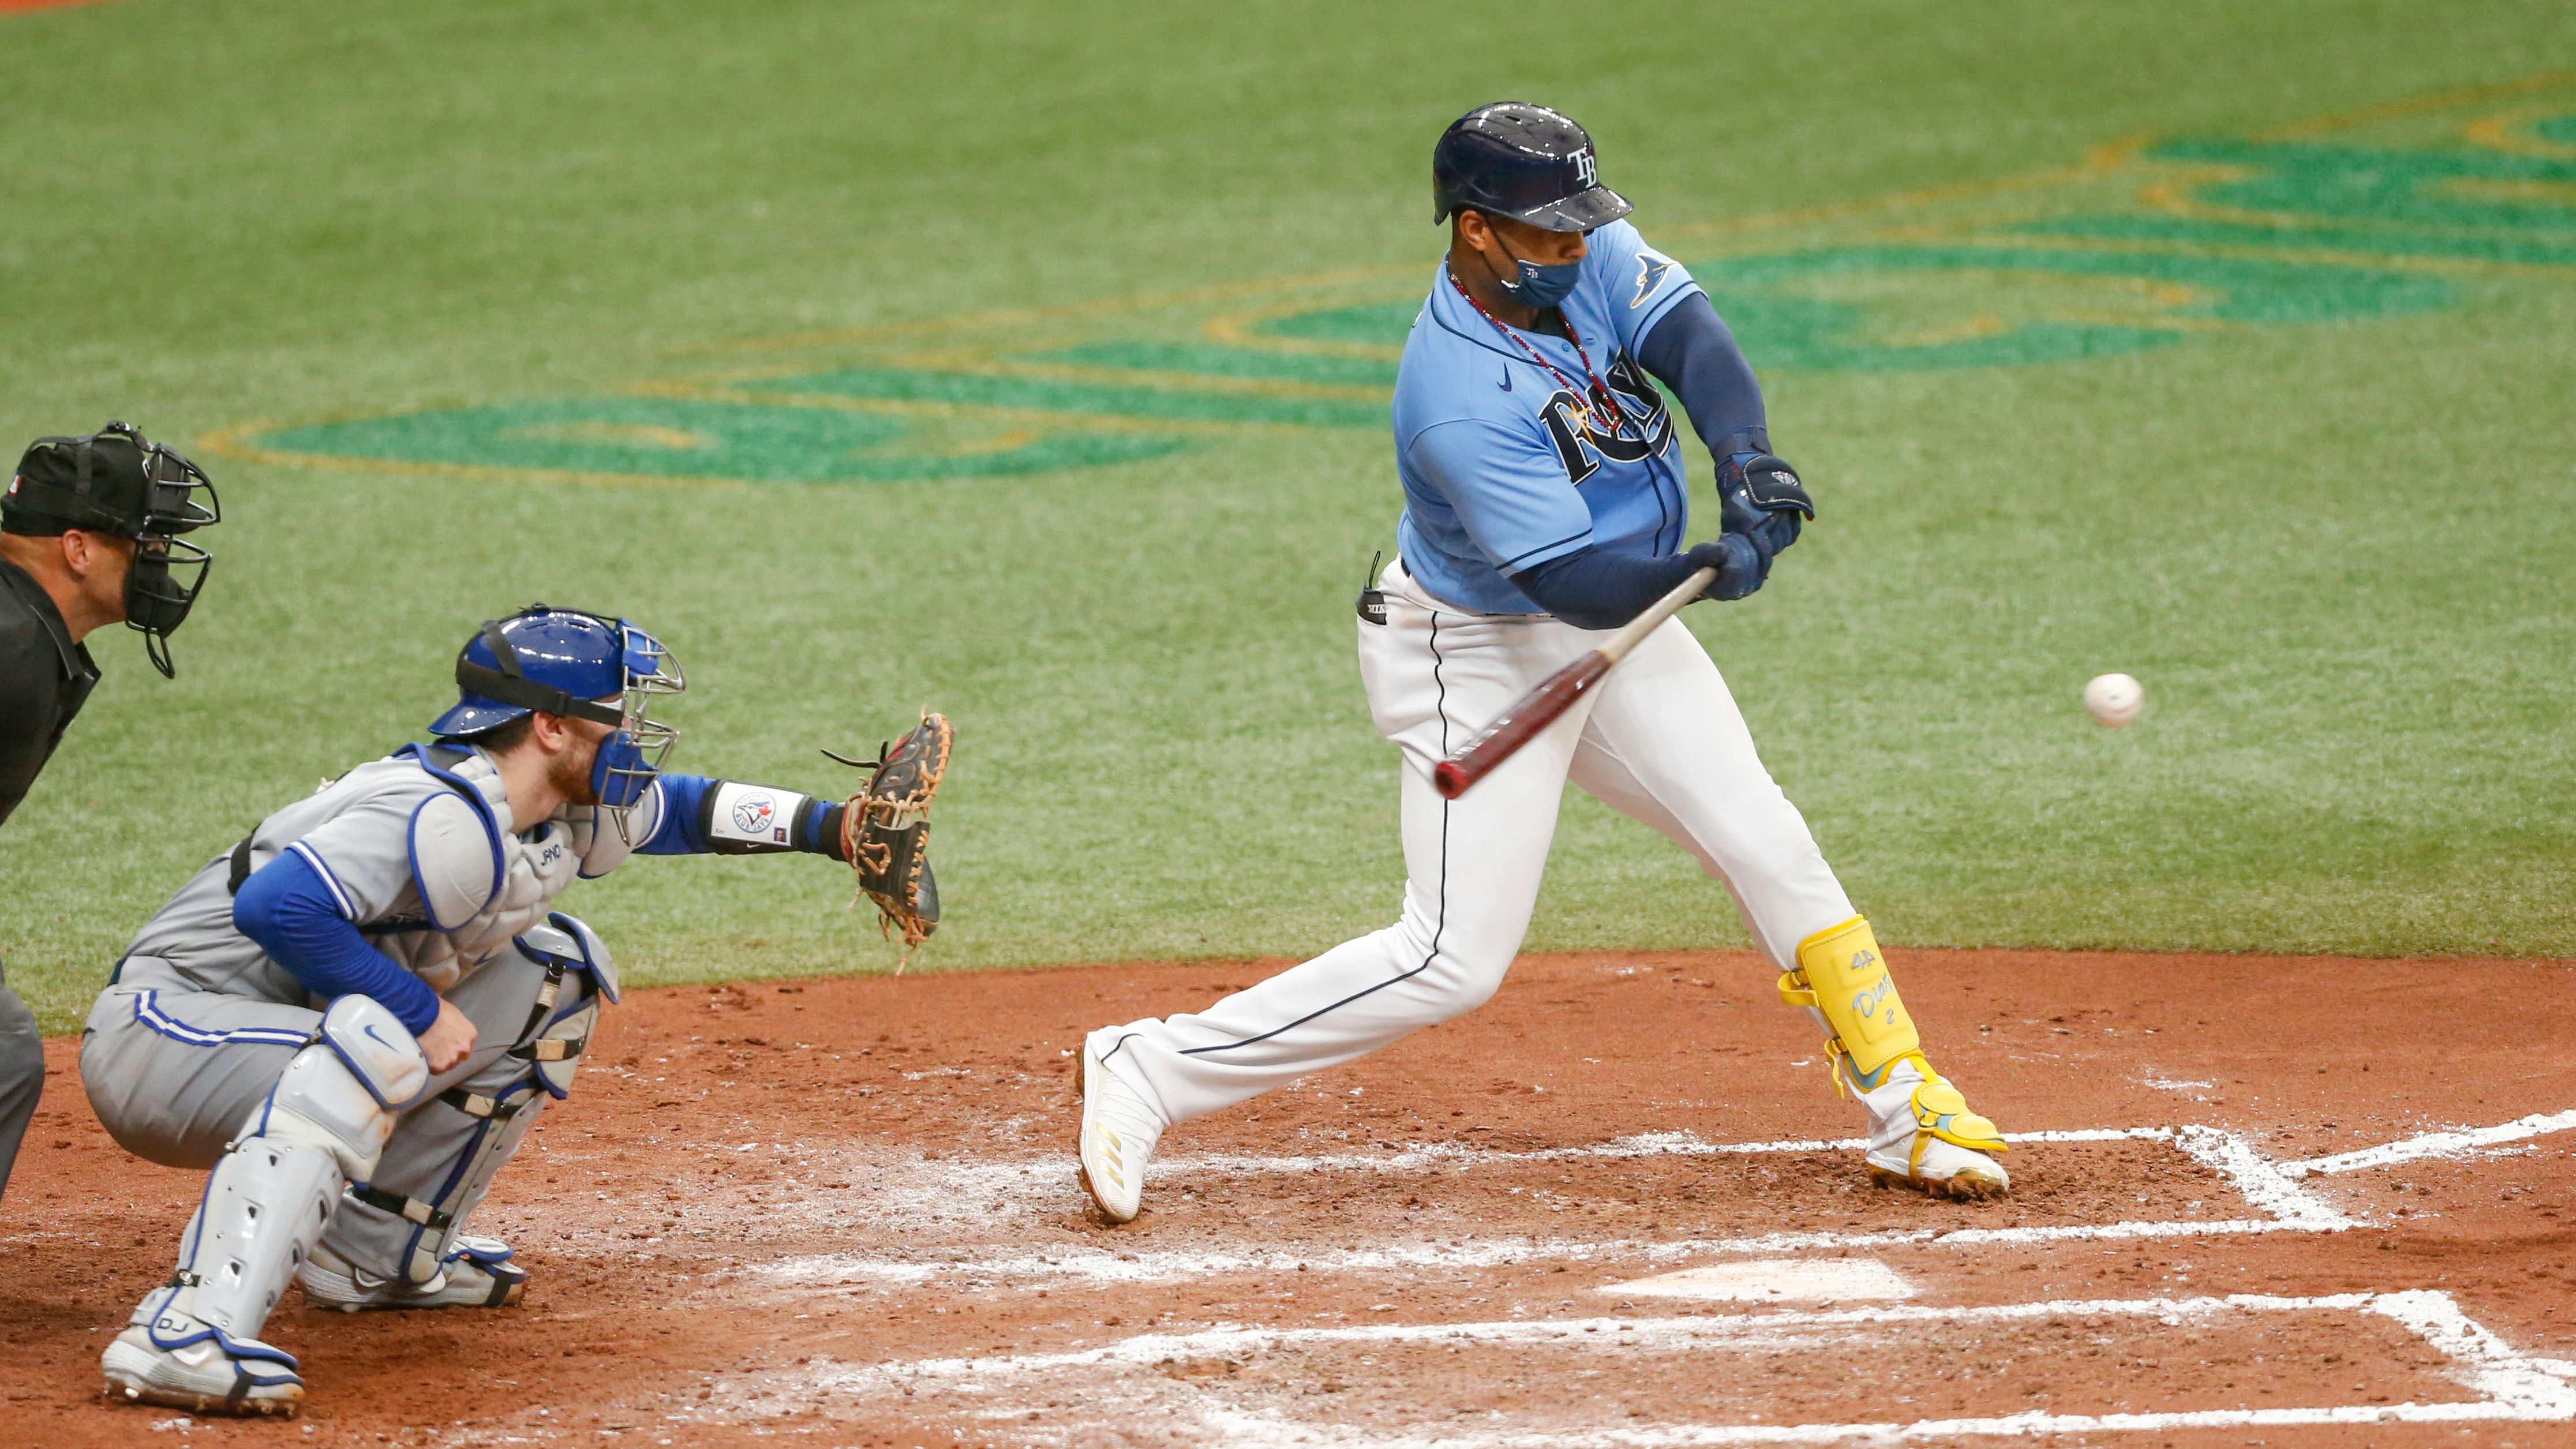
column 1539, row 287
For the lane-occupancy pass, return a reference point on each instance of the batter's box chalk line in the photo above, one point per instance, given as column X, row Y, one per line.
column 2460, row 1143
column 2513, row 1386
column 2285, row 1205
column 2273, row 1189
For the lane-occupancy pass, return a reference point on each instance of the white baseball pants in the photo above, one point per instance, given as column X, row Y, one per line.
column 1660, row 739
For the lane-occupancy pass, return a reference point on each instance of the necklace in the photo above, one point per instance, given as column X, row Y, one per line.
column 1596, row 398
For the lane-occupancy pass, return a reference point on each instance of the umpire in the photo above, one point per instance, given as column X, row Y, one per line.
column 88, row 536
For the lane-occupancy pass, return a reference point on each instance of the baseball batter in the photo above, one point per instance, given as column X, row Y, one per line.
column 1544, row 501
column 373, row 994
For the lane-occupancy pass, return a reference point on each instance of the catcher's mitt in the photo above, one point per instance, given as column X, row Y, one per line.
column 885, row 830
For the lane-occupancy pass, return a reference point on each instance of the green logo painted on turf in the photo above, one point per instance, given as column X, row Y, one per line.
column 2181, row 241
column 682, row 438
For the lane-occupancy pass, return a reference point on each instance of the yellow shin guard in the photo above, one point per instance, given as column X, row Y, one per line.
column 1842, row 976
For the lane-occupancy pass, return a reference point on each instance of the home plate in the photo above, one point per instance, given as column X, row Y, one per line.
column 1774, row 1280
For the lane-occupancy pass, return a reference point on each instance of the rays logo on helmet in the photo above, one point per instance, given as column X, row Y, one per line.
column 1587, row 168
column 1651, row 271
column 752, row 814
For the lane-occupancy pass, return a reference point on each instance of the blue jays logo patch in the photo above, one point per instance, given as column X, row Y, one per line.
column 752, row 814
column 1651, row 271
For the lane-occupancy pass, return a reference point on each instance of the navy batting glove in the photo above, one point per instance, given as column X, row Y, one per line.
column 1760, row 496
column 1741, row 567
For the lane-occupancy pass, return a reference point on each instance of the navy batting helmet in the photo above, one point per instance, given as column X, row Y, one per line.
column 1523, row 161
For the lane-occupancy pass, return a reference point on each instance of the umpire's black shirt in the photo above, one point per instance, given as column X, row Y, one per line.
column 44, row 680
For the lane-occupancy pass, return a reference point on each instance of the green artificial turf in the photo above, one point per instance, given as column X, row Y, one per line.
column 470, row 304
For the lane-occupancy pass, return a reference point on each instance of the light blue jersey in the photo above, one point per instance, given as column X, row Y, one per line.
column 1500, row 470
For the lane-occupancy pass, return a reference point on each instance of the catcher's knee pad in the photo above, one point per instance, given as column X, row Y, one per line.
column 339, row 1093
column 1841, row 975
column 555, row 1052
column 567, row 944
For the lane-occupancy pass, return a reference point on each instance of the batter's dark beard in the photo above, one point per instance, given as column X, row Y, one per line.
column 570, row 775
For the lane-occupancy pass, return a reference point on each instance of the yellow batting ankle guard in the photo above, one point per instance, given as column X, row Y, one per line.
column 1941, row 1110
column 1842, row 975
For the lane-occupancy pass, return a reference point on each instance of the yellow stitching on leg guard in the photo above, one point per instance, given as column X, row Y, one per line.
column 1941, row 1110
column 1843, row 975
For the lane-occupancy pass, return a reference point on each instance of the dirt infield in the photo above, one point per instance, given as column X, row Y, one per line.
column 1608, row 1208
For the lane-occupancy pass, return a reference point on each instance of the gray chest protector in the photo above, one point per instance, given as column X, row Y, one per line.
column 480, row 884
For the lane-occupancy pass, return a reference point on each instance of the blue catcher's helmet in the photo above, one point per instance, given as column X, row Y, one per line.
column 1526, row 162
column 577, row 664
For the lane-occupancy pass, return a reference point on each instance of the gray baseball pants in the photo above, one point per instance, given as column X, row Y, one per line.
column 174, row 1072
column 22, row 1074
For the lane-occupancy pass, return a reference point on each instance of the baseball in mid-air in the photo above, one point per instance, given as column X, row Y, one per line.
column 2114, row 699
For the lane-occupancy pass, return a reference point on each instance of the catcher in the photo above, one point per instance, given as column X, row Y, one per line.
column 355, row 1015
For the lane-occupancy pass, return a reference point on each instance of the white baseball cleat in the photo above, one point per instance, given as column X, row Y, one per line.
column 203, row 1370
column 478, row 1274
column 1943, row 1169
column 1119, row 1130
column 1920, row 1131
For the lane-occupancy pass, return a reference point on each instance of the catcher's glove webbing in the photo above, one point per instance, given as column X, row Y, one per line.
column 885, row 831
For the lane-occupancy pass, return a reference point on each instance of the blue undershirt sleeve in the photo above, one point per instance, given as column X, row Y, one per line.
column 1599, row 588
column 1643, row 284
column 683, row 827
column 1695, row 355
column 292, row 914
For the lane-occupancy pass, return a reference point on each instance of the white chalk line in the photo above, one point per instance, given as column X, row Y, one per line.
column 2515, row 1386
column 998, row 1192
column 1643, row 1144
column 2271, row 1188
column 1677, row 1332
column 2288, row 1208
column 2258, row 1179
column 1101, row 1265
column 2434, row 1144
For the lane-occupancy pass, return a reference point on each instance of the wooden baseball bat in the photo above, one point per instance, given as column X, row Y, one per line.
column 1539, row 708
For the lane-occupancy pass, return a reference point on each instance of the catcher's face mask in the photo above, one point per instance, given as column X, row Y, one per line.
column 632, row 755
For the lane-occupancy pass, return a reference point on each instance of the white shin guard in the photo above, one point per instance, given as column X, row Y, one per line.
column 273, row 1191
column 266, row 1203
